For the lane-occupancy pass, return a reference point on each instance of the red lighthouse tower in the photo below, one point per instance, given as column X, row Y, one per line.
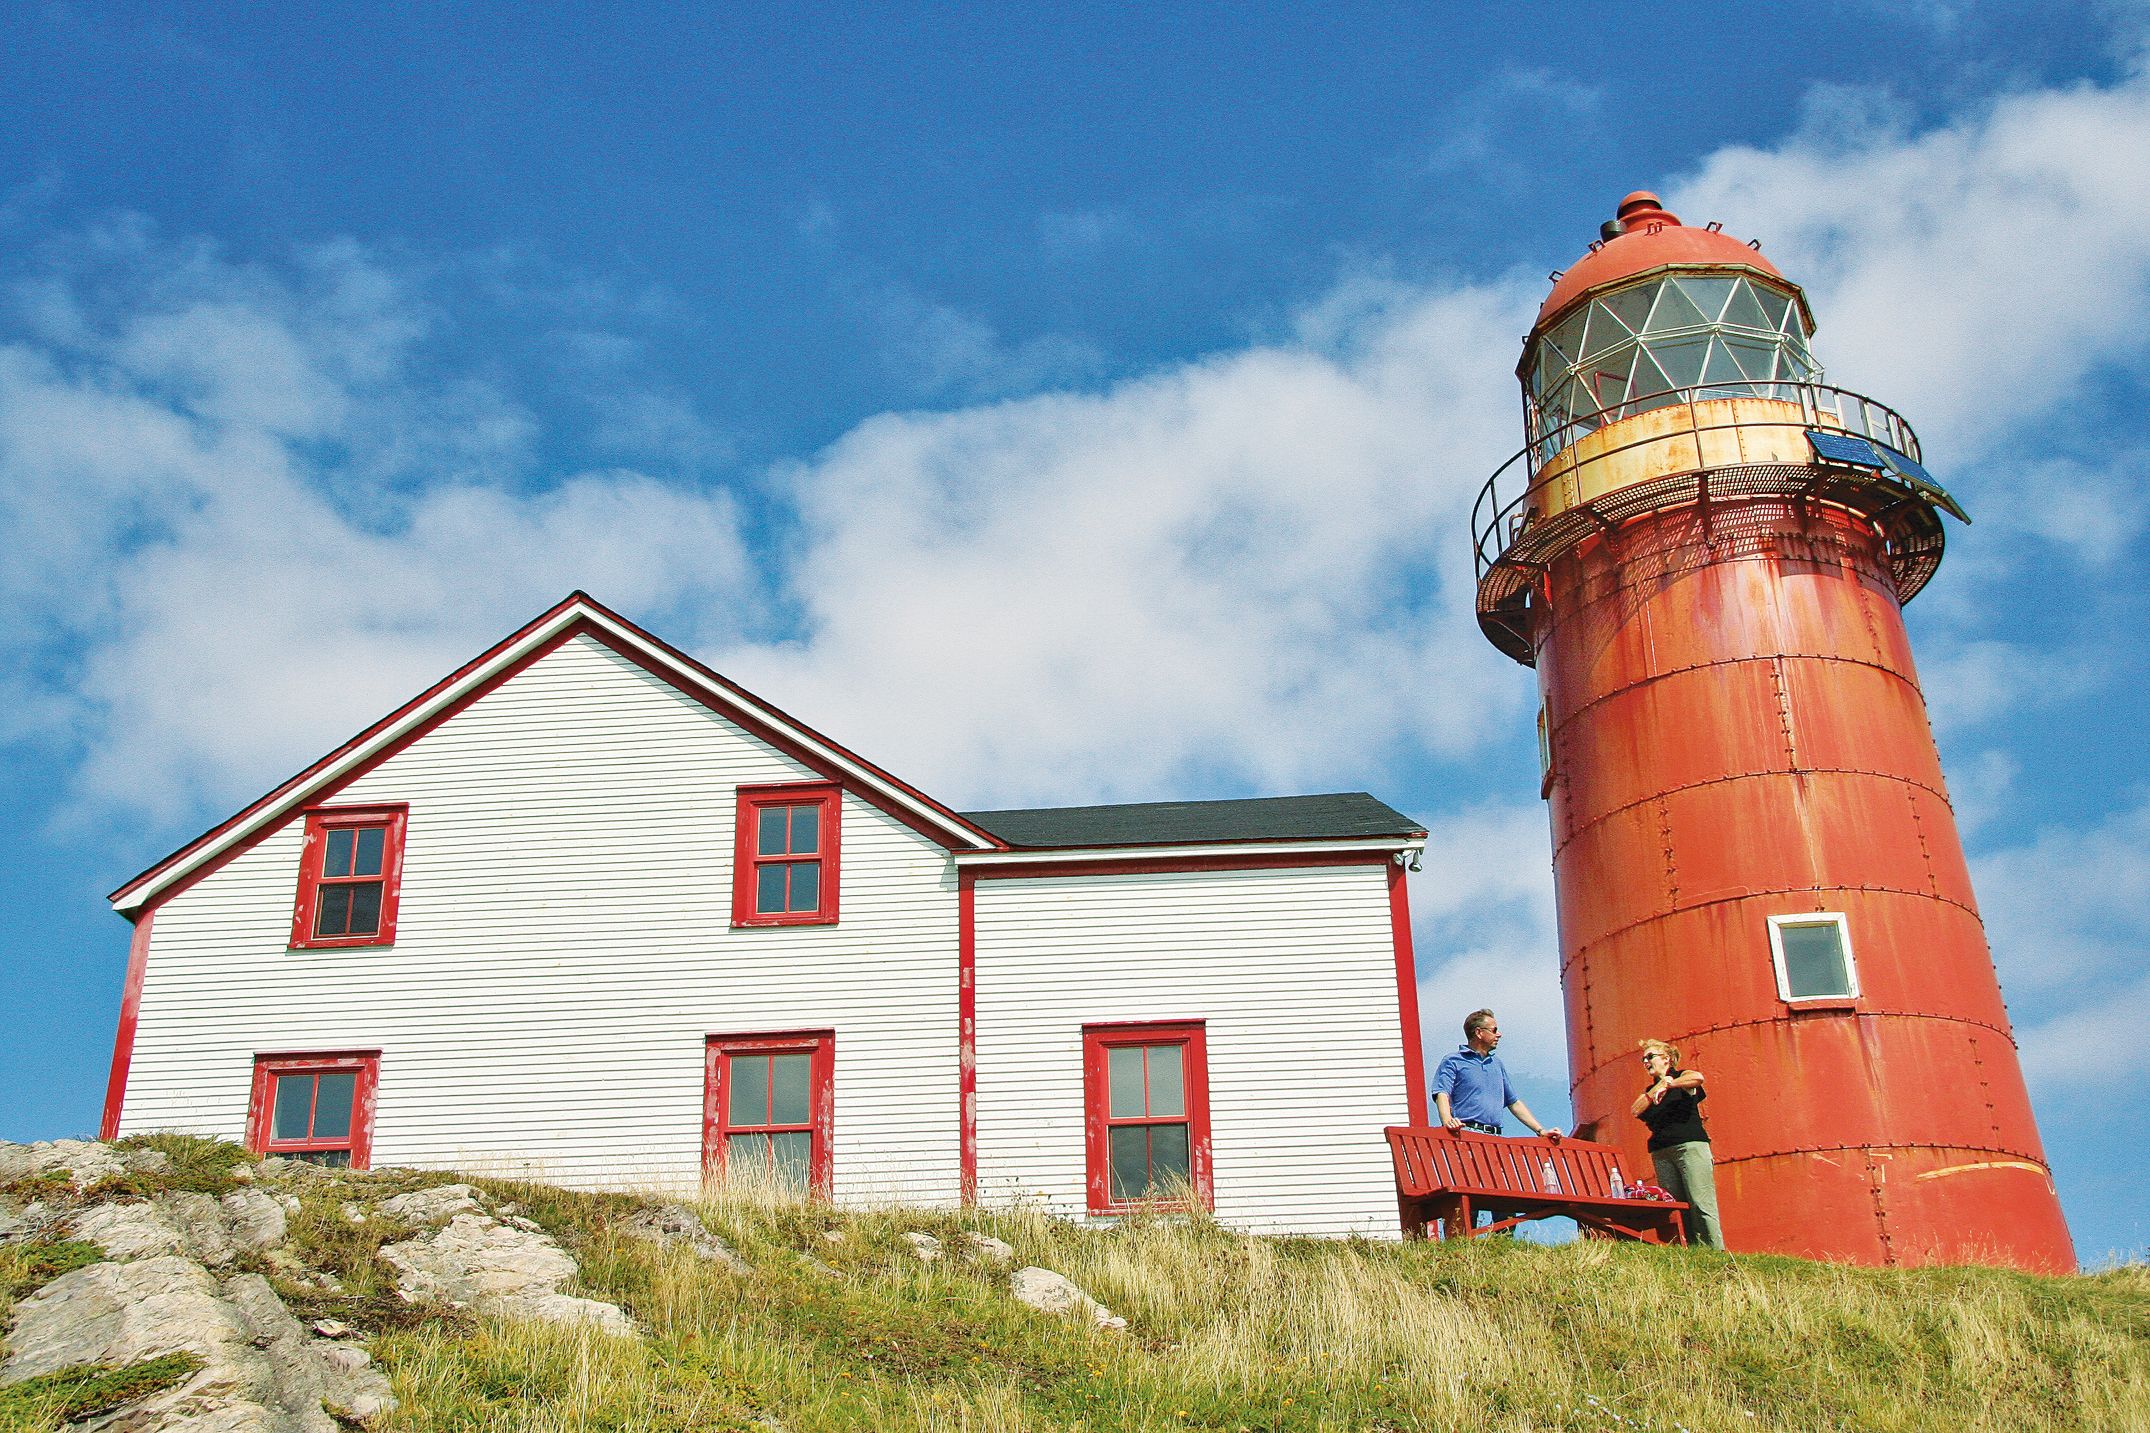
column 1704, row 551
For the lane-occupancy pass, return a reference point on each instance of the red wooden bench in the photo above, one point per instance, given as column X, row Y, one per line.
column 1450, row 1178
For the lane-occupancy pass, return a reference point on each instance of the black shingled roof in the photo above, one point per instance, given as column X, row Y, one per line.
column 1338, row 816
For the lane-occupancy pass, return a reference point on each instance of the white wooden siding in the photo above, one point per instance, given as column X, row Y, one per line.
column 564, row 947
column 1293, row 973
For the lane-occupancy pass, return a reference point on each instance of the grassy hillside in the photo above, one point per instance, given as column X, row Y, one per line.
column 841, row 1326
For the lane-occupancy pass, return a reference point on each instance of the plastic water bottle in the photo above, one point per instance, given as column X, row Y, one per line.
column 1619, row 1190
column 1552, row 1180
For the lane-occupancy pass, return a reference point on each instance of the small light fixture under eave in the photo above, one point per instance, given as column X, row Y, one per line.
column 1409, row 860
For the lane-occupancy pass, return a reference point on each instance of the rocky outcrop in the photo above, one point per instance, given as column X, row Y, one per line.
column 437, row 1205
column 156, row 1294
column 986, row 1248
column 674, row 1226
column 261, row 1371
column 84, row 1162
column 924, row 1246
column 478, row 1263
column 1052, row 1293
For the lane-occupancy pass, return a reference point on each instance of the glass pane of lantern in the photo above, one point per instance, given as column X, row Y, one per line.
column 1128, row 1155
column 332, row 1107
column 365, row 908
column 1680, row 359
column 789, row 1078
column 771, row 825
column 1605, row 332
column 747, row 1091
column 1168, row 1087
column 1649, row 383
column 1814, row 961
column 336, row 852
column 1123, row 1076
column 294, row 1107
column 1709, row 295
column 1776, row 307
column 1609, row 380
column 1743, row 311
column 371, row 840
column 1675, row 310
column 1568, row 336
column 1719, row 368
column 1756, row 356
column 1632, row 305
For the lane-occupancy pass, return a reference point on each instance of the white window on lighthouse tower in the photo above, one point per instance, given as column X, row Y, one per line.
column 1813, row 957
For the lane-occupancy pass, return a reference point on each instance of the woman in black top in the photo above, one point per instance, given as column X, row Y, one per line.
column 1679, row 1141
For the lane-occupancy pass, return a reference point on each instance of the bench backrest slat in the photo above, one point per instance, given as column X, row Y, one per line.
column 1430, row 1161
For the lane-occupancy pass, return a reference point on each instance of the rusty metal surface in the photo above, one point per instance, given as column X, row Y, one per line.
column 1737, row 732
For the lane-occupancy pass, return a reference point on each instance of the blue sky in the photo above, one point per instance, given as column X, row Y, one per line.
column 1058, row 404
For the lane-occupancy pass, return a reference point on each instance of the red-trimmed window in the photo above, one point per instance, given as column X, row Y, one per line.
column 318, row 1108
column 784, row 868
column 350, row 876
column 766, row 1108
column 1146, row 1114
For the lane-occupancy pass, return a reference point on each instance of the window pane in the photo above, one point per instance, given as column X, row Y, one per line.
column 333, row 1158
column 1167, row 1087
column 769, row 890
column 1814, row 960
column 805, row 886
column 336, row 852
column 1123, row 1073
column 365, row 908
column 770, row 823
column 371, row 839
column 789, row 1078
column 332, row 1107
column 746, row 1154
column 747, row 1096
column 790, row 1155
column 294, row 1106
column 805, row 830
column 1168, row 1156
column 334, row 915
column 1128, row 1150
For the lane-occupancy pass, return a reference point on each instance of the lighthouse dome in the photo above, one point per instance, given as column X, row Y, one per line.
column 1659, row 313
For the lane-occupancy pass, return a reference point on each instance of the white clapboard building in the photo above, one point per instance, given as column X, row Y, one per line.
column 589, row 912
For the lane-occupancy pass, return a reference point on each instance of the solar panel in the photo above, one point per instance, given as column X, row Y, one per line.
column 1921, row 481
column 1843, row 448
column 1903, row 466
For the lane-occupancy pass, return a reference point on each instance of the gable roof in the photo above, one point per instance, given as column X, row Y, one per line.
column 1343, row 815
column 577, row 615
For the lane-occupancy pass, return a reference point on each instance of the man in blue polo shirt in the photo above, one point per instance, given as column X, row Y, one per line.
column 1471, row 1086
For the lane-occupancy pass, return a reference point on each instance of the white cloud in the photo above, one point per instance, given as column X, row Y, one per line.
column 1249, row 569
column 243, row 524
column 2069, row 910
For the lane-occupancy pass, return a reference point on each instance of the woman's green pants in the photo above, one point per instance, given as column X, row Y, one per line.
column 1687, row 1172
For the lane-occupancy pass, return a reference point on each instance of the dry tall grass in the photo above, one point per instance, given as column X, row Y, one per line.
column 841, row 1327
